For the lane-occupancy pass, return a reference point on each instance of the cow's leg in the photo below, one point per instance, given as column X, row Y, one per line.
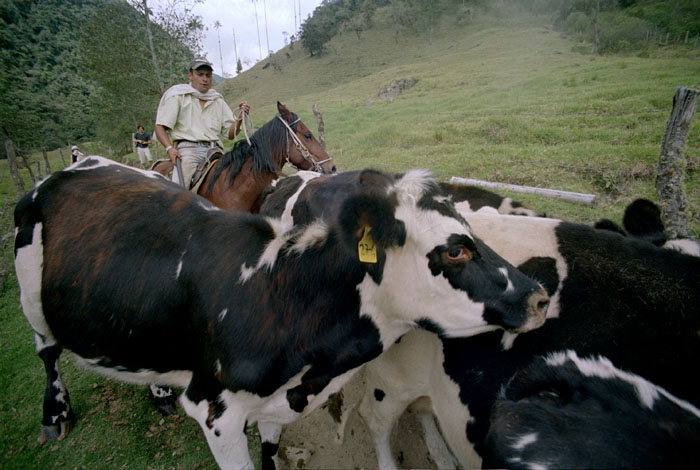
column 163, row 398
column 223, row 420
column 58, row 417
column 57, row 420
column 380, row 413
column 270, row 439
column 437, row 447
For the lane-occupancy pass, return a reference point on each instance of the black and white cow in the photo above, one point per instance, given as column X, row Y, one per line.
column 611, row 295
column 474, row 198
column 563, row 411
column 471, row 198
column 256, row 320
column 642, row 219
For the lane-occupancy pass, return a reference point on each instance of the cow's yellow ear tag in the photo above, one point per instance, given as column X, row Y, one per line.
column 366, row 247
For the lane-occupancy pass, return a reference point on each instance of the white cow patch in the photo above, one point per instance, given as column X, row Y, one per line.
column 29, row 265
column 508, row 339
column 412, row 186
column 271, row 251
column 509, row 286
column 507, row 207
column 209, row 207
column 306, row 176
column 524, row 441
column 178, row 270
column 536, row 466
column 315, row 234
column 223, row 314
column 88, row 163
column 175, row 378
column 159, row 392
column 601, row 367
column 463, row 206
column 246, row 273
column 684, row 245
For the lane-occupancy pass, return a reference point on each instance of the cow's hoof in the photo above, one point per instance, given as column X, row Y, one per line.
column 163, row 399
column 167, row 409
column 55, row 432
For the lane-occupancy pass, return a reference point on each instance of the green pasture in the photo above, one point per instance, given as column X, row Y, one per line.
column 497, row 99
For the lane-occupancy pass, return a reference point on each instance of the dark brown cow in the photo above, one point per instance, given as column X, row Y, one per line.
column 257, row 320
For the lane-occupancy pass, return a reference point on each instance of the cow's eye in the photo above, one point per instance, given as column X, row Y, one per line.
column 458, row 253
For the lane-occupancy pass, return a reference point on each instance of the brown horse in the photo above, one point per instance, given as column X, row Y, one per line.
column 236, row 181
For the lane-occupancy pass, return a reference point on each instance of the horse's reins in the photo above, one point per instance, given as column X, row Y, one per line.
column 301, row 148
column 243, row 116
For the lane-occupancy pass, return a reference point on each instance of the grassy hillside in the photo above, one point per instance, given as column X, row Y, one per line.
column 501, row 98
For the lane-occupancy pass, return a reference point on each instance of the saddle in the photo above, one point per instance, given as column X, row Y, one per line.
column 204, row 168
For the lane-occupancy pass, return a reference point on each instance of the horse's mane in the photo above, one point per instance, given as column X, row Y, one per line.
column 265, row 143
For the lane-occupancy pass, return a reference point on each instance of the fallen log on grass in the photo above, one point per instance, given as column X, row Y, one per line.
column 580, row 198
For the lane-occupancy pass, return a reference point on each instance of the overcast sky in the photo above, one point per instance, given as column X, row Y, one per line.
column 239, row 15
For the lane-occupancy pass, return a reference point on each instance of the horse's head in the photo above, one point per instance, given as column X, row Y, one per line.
column 304, row 151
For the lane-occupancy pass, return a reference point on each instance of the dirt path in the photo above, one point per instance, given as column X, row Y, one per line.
column 317, row 433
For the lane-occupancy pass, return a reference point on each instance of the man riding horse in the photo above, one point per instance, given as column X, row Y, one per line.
column 192, row 118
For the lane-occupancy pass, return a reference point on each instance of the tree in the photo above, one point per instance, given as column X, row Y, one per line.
column 257, row 27
column 319, row 28
column 184, row 29
column 361, row 19
column 142, row 6
column 44, row 100
column 267, row 37
column 235, row 51
column 217, row 26
column 77, row 69
column 113, row 42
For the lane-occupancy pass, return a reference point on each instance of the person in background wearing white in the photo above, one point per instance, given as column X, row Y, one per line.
column 75, row 154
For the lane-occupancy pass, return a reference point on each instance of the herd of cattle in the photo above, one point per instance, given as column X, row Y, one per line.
column 437, row 291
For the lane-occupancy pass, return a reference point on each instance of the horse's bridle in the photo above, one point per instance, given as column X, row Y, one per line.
column 301, row 148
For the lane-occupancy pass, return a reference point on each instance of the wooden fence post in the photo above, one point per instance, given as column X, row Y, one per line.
column 27, row 166
column 47, row 165
column 14, row 169
column 63, row 160
column 669, row 173
column 321, row 128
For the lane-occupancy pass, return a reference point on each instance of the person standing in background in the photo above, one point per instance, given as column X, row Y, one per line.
column 142, row 139
column 75, row 154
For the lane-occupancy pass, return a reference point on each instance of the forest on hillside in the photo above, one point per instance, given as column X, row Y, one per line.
column 78, row 70
column 611, row 25
column 74, row 70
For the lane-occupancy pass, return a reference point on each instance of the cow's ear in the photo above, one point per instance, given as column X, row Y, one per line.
column 371, row 214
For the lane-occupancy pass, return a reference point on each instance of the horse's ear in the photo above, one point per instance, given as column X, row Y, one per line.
column 284, row 112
